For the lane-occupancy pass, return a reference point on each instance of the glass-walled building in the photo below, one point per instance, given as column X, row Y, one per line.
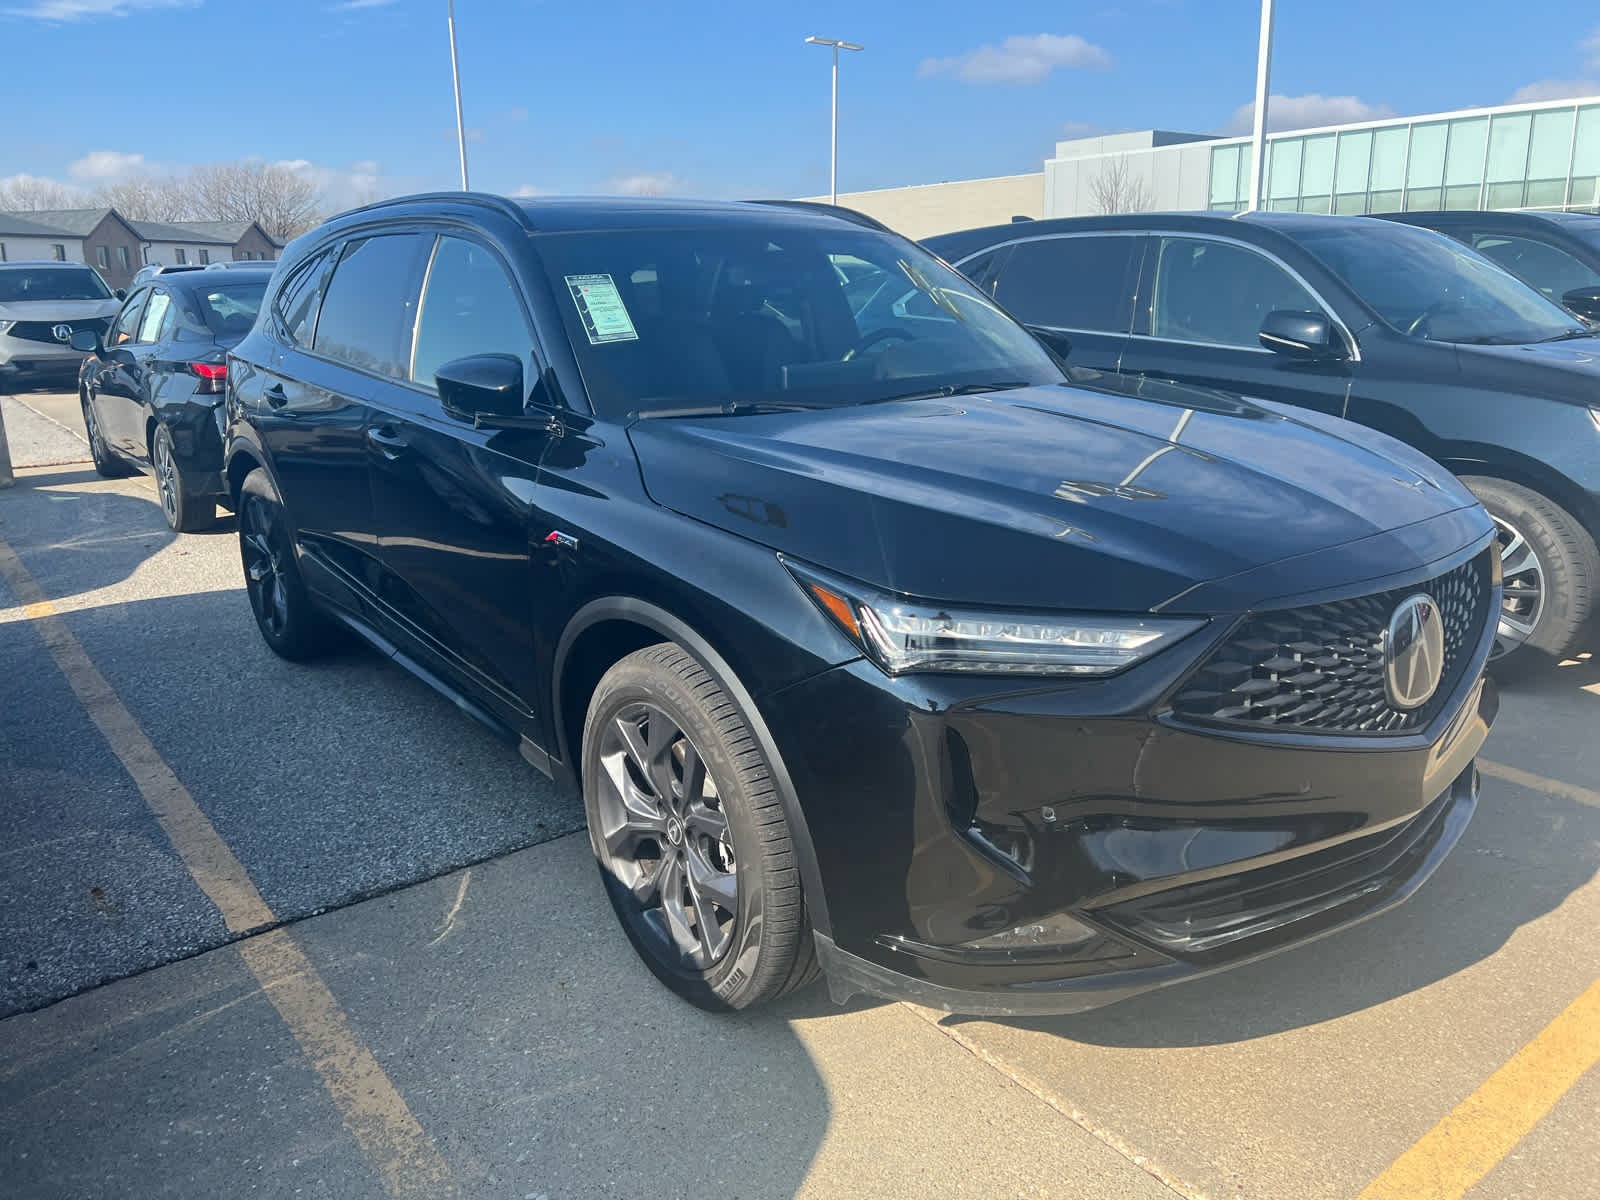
column 1544, row 155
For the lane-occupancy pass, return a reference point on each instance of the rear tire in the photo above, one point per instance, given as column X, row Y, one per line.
column 105, row 460
column 289, row 621
column 184, row 513
column 1552, row 569
column 690, row 835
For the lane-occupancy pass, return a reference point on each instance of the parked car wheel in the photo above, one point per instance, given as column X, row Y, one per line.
column 1551, row 569
column 105, row 462
column 185, row 513
column 291, row 625
column 690, row 835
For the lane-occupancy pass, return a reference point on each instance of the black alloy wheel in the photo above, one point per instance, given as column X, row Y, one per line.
column 106, row 463
column 689, row 834
column 184, row 513
column 292, row 627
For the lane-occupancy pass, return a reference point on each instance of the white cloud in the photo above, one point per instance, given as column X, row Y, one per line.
column 529, row 189
column 105, row 165
column 357, row 183
column 1591, row 49
column 1023, row 59
column 348, row 5
column 1307, row 112
column 88, row 10
column 647, row 183
column 1554, row 89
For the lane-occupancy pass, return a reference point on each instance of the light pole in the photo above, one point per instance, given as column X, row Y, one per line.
column 1258, row 147
column 833, row 167
column 455, row 73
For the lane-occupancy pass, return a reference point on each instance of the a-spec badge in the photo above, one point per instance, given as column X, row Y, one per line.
column 564, row 540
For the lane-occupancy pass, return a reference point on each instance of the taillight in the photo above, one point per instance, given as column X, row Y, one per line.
column 212, row 376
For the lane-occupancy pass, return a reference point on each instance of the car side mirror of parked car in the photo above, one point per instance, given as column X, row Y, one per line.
column 1300, row 335
column 1584, row 301
column 86, row 341
column 481, row 388
column 121, row 293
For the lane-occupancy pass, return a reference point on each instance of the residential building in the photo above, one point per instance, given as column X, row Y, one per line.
column 117, row 247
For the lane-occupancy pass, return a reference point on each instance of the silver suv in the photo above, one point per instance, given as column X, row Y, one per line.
column 41, row 305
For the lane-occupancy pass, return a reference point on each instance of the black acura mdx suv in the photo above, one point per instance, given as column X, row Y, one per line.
column 873, row 643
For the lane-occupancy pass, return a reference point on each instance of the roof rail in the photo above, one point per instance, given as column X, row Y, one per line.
column 500, row 204
column 837, row 210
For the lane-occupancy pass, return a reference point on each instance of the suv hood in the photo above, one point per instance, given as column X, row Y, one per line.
column 1565, row 370
column 1062, row 496
column 58, row 310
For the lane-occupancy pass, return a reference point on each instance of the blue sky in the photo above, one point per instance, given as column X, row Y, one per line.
column 715, row 98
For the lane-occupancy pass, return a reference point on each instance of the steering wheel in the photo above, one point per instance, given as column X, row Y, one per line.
column 1427, row 315
column 876, row 336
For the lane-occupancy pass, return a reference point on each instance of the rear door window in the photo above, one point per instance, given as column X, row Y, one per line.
column 1072, row 283
column 1551, row 271
column 468, row 307
column 127, row 322
column 1218, row 293
column 157, row 319
column 370, row 307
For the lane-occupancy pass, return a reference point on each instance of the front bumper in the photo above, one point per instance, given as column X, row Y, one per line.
column 1051, row 850
column 24, row 357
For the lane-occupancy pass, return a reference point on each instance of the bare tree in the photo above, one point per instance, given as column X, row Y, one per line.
column 282, row 200
column 1118, row 190
column 148, row 198
column 29, row 193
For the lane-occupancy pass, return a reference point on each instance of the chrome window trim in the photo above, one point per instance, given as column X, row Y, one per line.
column 1327, row 309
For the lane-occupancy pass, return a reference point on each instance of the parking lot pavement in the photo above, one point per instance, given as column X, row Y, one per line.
column 479, row 1027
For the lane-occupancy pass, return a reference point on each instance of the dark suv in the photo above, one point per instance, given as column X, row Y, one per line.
column 867, row 637
column 1395, row 327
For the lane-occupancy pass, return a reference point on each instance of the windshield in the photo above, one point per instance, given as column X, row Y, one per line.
column 50, row 283
column 229, row 309
column 805, row 316
column 1431, row 286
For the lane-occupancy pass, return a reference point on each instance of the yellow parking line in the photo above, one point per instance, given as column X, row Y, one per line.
column 373, row 1111
column 1527, row 779
column 1466, row 1145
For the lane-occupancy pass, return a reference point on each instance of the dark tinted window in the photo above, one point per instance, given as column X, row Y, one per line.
column 228, row 309
column 468, row 307
column 297, row 302
column 1218, row 292
column 371, row 304
column 984, row 270
column 51, row 283
column 1552, row 272
column 127, row 322
column 1072, row 282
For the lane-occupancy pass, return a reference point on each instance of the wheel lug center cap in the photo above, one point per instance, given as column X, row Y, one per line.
column 674, row 831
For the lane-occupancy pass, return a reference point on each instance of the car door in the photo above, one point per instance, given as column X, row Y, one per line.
column 1075, row 292
column 453, row 504
column 1201, row 303
column 107, row 384
column 144, row 373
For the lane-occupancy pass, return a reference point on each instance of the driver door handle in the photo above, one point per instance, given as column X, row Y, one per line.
column 388, row 443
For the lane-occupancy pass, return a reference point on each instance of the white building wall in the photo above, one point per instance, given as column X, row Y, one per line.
column 20, row 249
column 931, row 208
column 1175, row 178
column 165, row 253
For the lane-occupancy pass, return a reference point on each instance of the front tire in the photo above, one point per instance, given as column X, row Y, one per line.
column 690, row 835
column 184, row 513
column 106, row 463
column 1551, row 569
column 283, row 610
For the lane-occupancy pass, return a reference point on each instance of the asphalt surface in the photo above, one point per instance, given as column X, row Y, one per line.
column 433, row 894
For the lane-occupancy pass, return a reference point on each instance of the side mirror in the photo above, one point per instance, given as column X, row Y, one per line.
column 481, row 385
column 1302, row 335
column 87, row 341
column 1058, row 344
column 1584, row 301
column 121, row 293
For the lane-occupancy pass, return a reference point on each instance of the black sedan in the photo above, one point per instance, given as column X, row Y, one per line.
column 152, row 387
column 1556, row 253
column 870, row 642
column 1395, row 327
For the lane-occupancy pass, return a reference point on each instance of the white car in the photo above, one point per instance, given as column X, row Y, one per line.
column 41, row 305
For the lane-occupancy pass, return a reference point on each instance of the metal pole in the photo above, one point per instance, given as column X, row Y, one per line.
column 455, row 74
column 1258, row 148
column 833, row 167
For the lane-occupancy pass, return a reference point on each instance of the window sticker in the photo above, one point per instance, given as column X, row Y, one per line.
column 605, row 317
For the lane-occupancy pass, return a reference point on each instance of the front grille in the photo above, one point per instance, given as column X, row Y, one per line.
column 1321, row 668
column 43, row 331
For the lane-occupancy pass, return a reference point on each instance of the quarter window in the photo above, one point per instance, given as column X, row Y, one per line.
column 1072, row 282
column 155, row 319
column 468, row 307
column 1552, row 272
column 297, row 302
column 371, row 304
column 1219, row 293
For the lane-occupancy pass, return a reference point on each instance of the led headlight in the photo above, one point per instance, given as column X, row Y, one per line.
column 902, row 635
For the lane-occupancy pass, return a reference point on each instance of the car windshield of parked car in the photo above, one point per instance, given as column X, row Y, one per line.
column 51, row 283
column 229, row 308
column 733, row 317
column 1427, row 285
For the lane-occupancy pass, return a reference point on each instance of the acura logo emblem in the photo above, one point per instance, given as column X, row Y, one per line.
column 1413, row 653
column 62, row 333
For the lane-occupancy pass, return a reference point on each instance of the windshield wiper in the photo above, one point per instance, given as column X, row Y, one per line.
column 731, row 408
column 1570, row 334
column 950, row 389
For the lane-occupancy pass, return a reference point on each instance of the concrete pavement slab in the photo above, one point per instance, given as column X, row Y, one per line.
column 36, row 440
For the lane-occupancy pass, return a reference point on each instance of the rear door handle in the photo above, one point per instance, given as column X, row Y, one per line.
column 389, row 443
column 276, row 396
